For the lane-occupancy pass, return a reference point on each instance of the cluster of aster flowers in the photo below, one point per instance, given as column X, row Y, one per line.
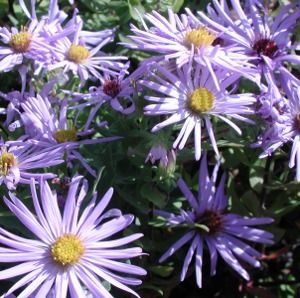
column 201, row 60
column 193, row 76
column 191, row 79
column 74, row 249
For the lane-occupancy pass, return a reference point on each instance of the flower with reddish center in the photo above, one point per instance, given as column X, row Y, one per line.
column 111, row 87
column 212, row 220
column 297, row 122
column 265, row 47
column 117, row 90
column 73, row 249
column 262, row 37
column 283, row 118
column 206, row 221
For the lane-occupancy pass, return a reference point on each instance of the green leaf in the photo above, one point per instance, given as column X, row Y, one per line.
column 162, row 271
column 177, row 5
column 256, row 175
column 158, row 221
column 153, row 195
column 251, row 202
column 277, row 232
column 136, row 9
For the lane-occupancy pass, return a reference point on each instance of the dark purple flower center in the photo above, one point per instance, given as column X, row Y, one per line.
column 266, row 47
column 212, row 220
column 112, row 88
column 218, row 41
column 297, row 122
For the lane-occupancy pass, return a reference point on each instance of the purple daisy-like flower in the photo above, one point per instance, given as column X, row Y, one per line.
column 24, row 43
column 160, row 153
column 18, row 159
column 265, row 39
column 72, row 249
column 48, row 129
column 193, row 96
column 79, row 57
column 224, row 234
column 184, row 37
column 117, row 90
column 284, row 119
column 12, row 111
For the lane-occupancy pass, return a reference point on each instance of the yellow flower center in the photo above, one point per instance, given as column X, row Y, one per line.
column 20, row 42
column 200, row 37
column 7, row 160
column 67, row 135
column 67, row 250
column 200, row 101
column 78, row 54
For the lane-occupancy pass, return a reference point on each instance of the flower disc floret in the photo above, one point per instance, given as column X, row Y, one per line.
column 265, row 47
column 67, row 250
column 297, row 122
column 112, row 88
column 226, row 234
column 20, row 41
column 66, row 135
column 78, row 54
column 200, row 37
column 7, row 160
column 212, row 220
column 200, row 101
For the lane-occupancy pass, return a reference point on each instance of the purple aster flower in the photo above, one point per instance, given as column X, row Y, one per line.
column 12, row 111
column 184, row 37
column 166, row 158
column 18, row 159
column 72, row 249
column 284, row 121
column 265, row 39
column 16, row 98
column 271, row 105
column 193, row 96
column 26, row 43
column 224, row 234
column 158, row 152
column 76, row 54
column 46, row 129
column 117, row 90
